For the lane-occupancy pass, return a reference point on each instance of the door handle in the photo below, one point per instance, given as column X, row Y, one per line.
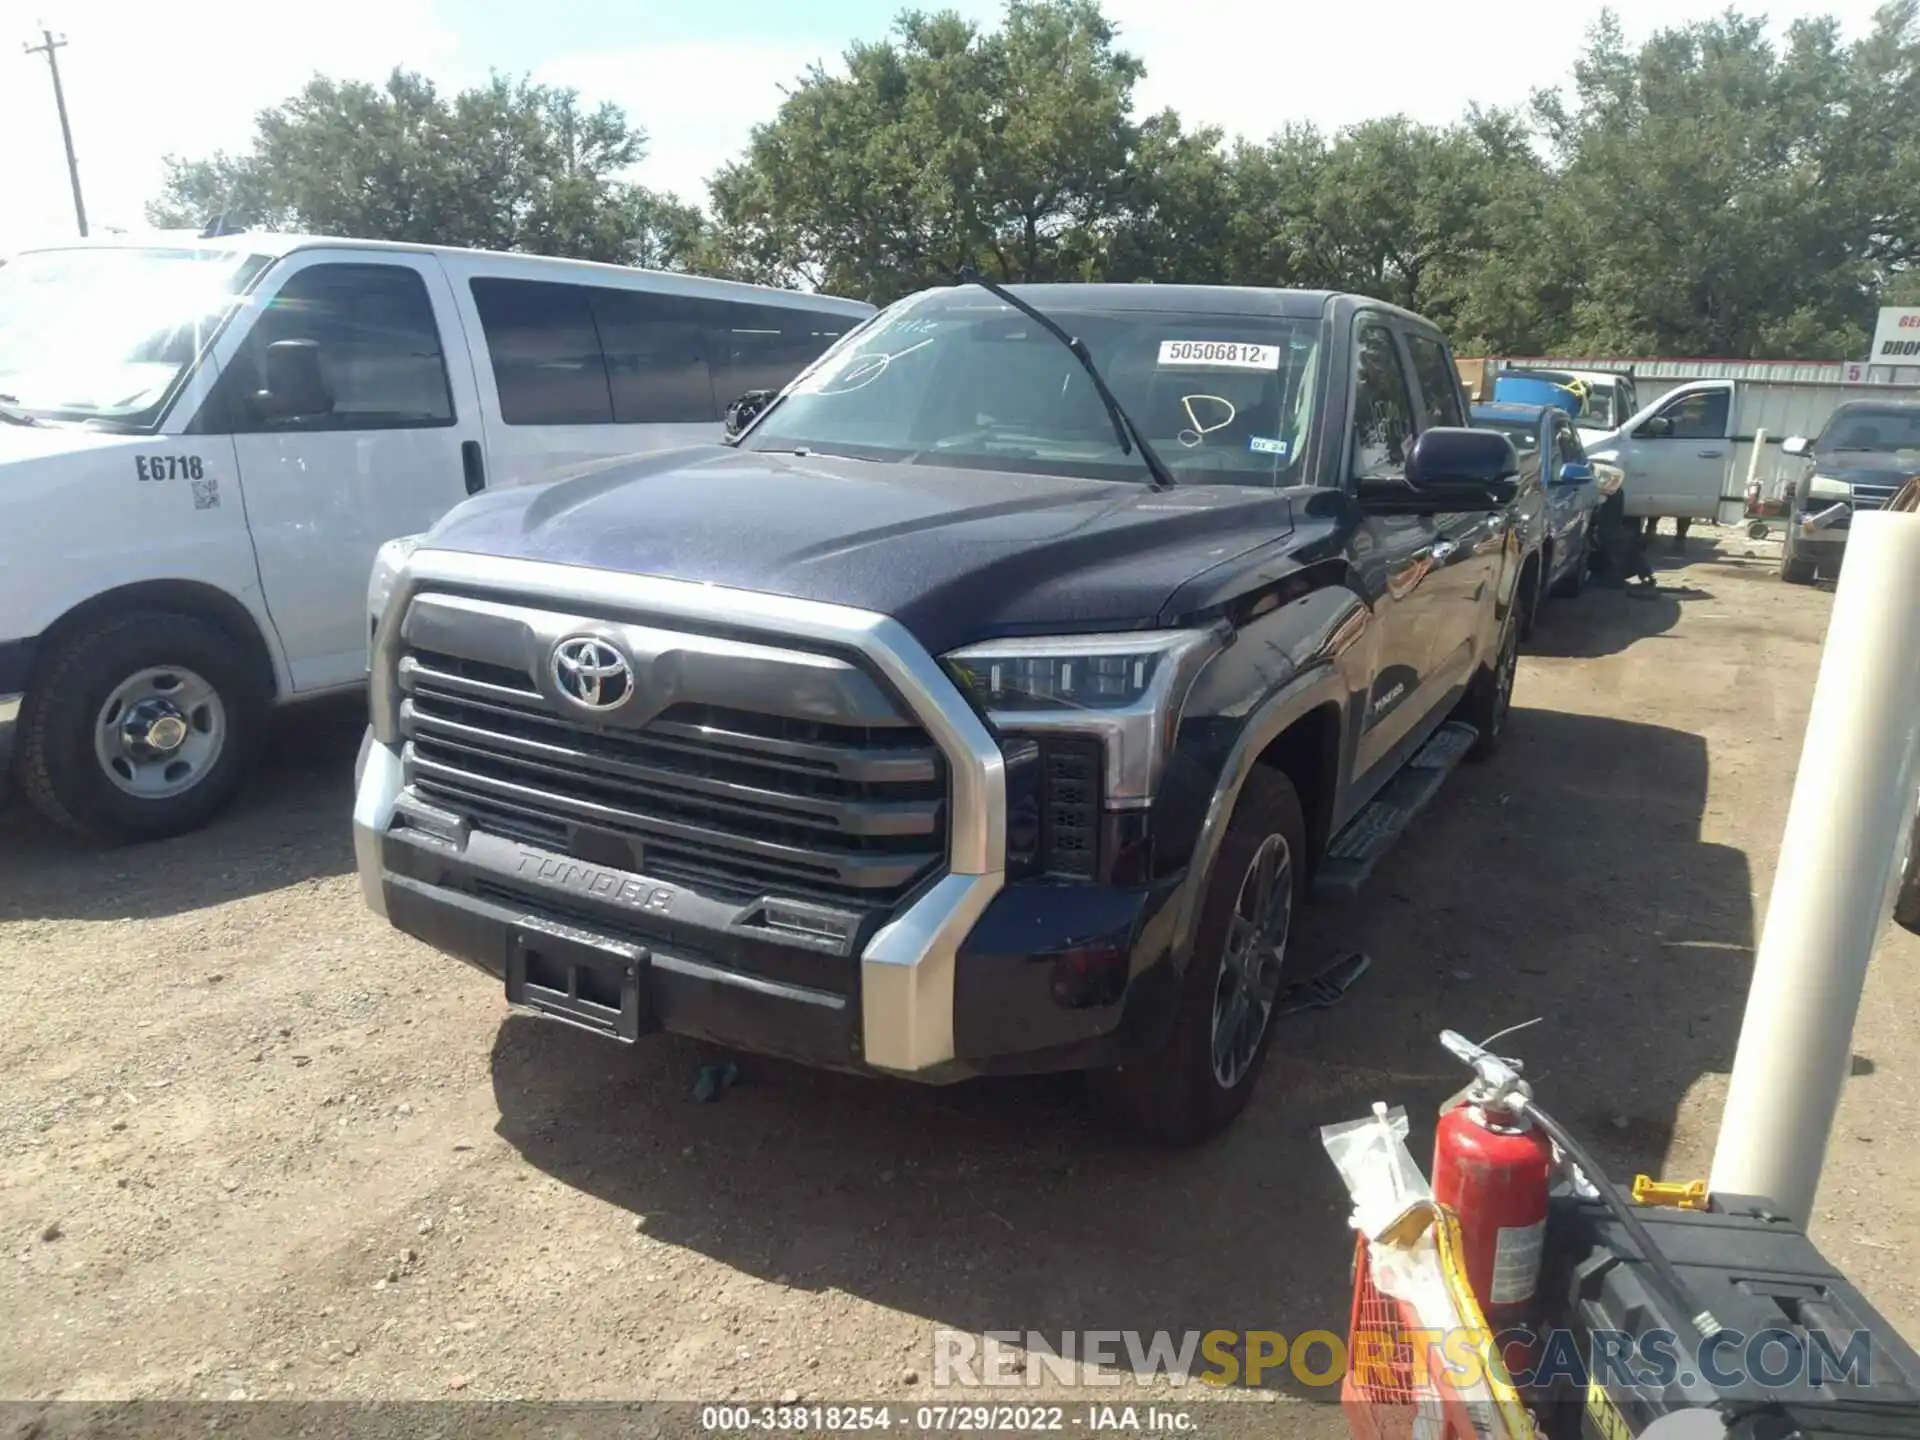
column 474, row 465
column 1711, row 454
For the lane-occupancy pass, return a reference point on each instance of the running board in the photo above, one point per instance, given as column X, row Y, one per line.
column 1354, row 852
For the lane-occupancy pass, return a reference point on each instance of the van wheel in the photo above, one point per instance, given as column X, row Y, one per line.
column 1202, row 1079
column 1490, row 697
column 140, row 728
column 1796, row 571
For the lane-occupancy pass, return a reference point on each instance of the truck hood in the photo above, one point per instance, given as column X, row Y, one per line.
column 1868, row 467
column 955, row 555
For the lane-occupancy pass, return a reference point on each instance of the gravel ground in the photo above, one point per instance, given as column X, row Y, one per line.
column 255, row 1144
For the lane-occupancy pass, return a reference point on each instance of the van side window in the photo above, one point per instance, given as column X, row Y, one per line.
column 656, row 357
column 1382, row 407
column 1439, row 382
column 547, row 362
column 762, row 347
column 379, row 351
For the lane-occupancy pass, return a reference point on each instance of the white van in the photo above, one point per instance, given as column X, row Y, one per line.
column 203, row 442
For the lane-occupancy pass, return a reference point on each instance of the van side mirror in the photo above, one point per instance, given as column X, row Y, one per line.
column 742, row 412
column 1656, row 427
column 1796, row 445
column 297, row 387
column 1448, row 469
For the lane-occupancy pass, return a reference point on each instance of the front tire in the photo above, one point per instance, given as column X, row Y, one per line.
column 1795, row 570
column 1569, row 585
column 140, row 728
column 1489, row 699
column 1201, row 1081
column 1906, row 905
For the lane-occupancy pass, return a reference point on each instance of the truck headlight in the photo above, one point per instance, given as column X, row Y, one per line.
column 1126, row 691
column 388, row 561
column 1610, row 477
column 1825, row 487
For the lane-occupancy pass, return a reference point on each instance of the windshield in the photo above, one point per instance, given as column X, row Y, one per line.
column 1888, row 429
column 1525, row 434
column 958, row 377
column 104, row 335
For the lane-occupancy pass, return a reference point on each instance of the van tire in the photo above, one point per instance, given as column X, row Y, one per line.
column 1176, row 1096
column 58, row 762
column 1796, row 571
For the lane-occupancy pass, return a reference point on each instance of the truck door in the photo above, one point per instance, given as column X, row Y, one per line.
column 1465, row 558
column 1391, row 554
column 377, row 435
column 1678, row 455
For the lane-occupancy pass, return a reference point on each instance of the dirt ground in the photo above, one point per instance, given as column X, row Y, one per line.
column 255, row 1144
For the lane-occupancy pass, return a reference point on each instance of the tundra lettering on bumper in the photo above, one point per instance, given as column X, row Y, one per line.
column 496, row 819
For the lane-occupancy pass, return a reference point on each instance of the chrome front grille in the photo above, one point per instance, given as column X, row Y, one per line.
column 739, row 802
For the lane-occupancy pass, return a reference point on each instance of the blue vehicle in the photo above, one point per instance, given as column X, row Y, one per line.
column 1556, row 507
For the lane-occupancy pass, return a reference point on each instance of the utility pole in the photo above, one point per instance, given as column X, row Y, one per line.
column 47, row 47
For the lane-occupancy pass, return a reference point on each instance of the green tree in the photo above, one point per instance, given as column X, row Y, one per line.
column 942, row 146
column 1735, row 197
column 506, row 166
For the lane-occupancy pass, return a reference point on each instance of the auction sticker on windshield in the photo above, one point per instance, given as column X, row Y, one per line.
column 1220, row 354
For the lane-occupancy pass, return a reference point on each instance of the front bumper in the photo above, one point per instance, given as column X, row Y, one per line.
column 965, row 978
column 1018, row 995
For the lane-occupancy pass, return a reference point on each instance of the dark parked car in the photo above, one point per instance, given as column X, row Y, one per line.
column 990, row 704
column 1555, row 509
column 1865, row 453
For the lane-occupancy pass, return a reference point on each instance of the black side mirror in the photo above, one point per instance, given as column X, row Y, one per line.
column 1449, row 469
column 297, row 387
column 742, row 412
column 1658, row 427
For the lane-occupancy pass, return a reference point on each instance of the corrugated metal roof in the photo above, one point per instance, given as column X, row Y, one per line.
column 1794, row 372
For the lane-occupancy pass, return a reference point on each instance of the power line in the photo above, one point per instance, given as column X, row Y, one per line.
column 47, row 47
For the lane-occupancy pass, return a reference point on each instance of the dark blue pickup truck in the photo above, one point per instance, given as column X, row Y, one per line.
column 987, row 704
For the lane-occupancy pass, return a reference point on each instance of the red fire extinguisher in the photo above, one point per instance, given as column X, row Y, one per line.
column 1493, row 1169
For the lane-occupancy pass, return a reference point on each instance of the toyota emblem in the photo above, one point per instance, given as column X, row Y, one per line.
column 591, row 673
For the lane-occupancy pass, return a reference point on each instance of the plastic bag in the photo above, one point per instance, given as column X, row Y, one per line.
column 1380, row 1173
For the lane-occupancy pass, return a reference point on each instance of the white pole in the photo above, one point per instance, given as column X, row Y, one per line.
column 1852, row 803
column 1753, row 460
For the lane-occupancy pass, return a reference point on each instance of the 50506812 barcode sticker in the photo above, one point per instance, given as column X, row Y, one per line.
column 1220, row 354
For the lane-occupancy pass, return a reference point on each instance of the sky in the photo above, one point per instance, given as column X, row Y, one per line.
column 146, row 80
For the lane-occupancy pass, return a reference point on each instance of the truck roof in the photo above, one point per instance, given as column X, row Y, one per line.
column 277, row 244
column 1204, row 299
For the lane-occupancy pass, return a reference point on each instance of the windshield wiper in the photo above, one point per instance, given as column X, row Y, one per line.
column 1123, row 425
column 14, row 416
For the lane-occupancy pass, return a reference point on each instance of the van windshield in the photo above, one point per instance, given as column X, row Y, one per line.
column 959, row 378
column 105, row 335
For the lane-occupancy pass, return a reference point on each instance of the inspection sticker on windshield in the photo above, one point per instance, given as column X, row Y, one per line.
column 1267, row 445
column 1220, row 354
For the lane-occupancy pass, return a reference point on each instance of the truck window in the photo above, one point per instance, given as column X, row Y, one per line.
column 547, row 363
column 1699, row 416
column 1382, row 408
column 379, row 349
column 1439, row 382
column 1567, row 442
column 656, row 357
